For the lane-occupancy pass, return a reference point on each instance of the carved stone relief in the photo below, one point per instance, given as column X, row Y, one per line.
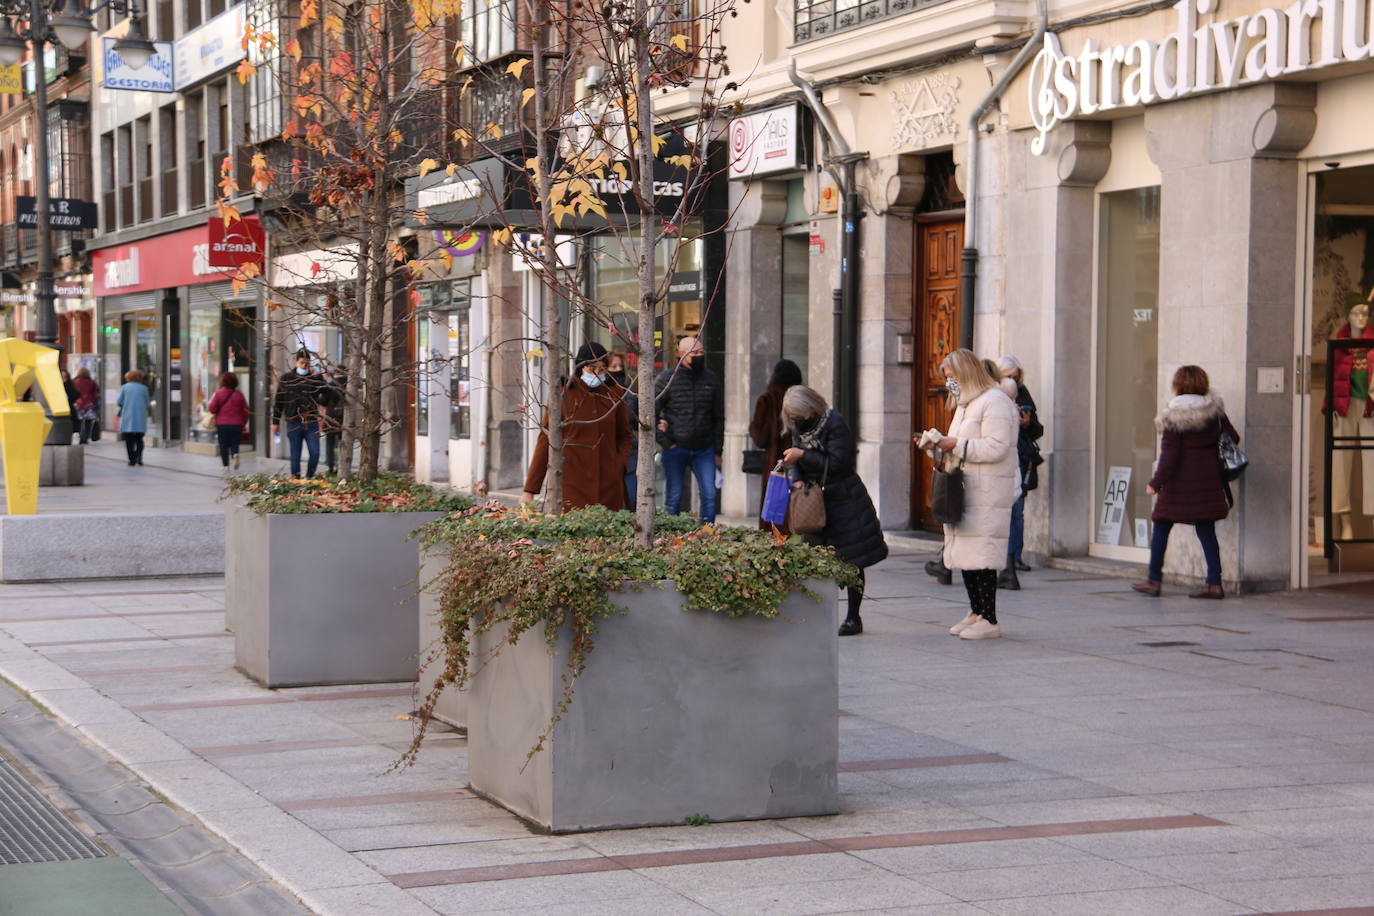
column 923, row 112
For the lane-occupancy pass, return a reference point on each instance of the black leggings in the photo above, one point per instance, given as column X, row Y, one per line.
column 133, row 444
column 856, row 596
column 981, row 585
column 228, row 438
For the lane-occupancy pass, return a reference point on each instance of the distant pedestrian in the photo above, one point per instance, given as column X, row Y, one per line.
column 335, row 397
column 1028, row 460
column 981, row 439
column 621, row 381
column 768, row 430
column 691, row 427
column 298, row 402
column 230, row 408
column 823, row 452
column 596, row 438
column 87, row 404
column 1187, row 478
column 133, row 405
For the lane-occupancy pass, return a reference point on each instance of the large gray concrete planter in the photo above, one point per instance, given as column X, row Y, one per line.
column 325, row 598
column 452, row 708
column 678, row 713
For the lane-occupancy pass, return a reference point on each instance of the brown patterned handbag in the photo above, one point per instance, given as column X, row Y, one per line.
column 806, row 505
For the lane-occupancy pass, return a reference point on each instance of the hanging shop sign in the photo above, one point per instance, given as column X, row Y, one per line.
column 154, row 76
column 469, row 194
column 1196, row 57
column 64, row 213
column 211, row 48
column 240, row 243
column 11, row 80
column 764, row 142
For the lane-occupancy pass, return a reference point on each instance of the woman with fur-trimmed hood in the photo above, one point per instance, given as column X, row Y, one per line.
column 1187, row 478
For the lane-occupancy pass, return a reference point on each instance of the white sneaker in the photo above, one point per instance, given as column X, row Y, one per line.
column 236, row 461
column 964, row 624
column 981, row 629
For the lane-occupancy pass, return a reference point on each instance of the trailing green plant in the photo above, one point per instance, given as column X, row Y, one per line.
column 514, row 571
column 387, row 492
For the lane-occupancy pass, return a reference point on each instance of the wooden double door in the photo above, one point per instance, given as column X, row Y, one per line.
column 935, row 333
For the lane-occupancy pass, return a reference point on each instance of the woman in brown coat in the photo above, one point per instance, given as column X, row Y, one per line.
column 596, row 439
column 768, row 430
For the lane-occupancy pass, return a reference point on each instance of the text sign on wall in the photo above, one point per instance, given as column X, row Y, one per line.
column 214, row 46
column 154, row 76
column 11, row 80
column 1113, row 505
column 63, row 213
column 765, row 141
column 239, row 243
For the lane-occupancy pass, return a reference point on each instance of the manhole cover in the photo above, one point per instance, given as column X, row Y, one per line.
column 1166, row 645
column 32, row 829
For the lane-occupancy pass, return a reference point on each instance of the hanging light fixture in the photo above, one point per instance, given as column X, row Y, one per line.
column 12, row 47
column 134, row 48
column 71, row 25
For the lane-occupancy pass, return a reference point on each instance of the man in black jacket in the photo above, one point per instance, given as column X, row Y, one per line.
column 691, row 427
column 300, row 395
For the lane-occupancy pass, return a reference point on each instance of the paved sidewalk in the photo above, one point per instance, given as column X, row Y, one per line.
column 1112, row 754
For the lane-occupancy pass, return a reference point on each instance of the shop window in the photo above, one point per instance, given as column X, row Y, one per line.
column 614, row 276
column 1127, row 365
column 488, row 30
column 422, row 383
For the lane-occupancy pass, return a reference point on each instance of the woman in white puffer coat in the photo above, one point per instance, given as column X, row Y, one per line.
column 982, row 436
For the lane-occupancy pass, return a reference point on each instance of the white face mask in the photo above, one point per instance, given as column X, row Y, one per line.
column 952, row 386
column 300, row 371
column 591, row 381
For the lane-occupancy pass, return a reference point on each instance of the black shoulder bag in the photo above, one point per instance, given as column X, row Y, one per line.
column 947, row 492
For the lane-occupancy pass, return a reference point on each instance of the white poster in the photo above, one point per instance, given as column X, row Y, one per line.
column 1113, row 505
column 154, row 76
column 214, row 46
column 764, row 142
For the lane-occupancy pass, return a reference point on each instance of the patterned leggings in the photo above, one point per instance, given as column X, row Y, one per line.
column 981, row 585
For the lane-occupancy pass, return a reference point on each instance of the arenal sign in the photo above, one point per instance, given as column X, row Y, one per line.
column 240, row 242
column 65, row 213
column 1196, row 57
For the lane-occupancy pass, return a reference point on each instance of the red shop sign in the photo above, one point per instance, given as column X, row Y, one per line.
column 239, row 243
column 175, row 259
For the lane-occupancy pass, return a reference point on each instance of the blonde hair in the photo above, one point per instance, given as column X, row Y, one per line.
column 802, row 401
column 971, row 372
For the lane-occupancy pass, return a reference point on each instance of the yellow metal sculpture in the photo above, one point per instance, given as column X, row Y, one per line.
column 23, row 425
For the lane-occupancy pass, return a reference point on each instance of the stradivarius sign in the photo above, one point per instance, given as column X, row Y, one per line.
column 1196, row 57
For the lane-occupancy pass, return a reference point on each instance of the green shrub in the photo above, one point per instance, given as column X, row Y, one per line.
column 388, row 492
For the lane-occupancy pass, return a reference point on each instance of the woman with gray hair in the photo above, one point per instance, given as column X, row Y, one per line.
column 823, row 452
column 1028, row 458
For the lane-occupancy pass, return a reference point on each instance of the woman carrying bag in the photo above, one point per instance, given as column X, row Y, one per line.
column 982, row 443
column 822, row 455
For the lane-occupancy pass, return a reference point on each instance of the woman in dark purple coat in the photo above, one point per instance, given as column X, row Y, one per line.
column 1188, row 477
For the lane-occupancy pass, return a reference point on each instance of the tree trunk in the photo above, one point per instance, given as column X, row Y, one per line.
column 643, row 149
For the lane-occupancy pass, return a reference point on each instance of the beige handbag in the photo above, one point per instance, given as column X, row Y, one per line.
column 806, row 508
column 207, row 421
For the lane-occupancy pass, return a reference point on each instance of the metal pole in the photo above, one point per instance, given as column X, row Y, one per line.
column 46, row 331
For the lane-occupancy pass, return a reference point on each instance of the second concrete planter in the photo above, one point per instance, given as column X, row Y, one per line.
column 452, row 708
column 325, row 598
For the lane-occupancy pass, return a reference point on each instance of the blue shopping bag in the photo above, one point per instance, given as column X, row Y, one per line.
column 775, row 499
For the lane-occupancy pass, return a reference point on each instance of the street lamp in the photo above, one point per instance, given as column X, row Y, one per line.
column 68, row 22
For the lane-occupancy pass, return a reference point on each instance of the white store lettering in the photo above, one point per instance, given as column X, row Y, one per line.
column 122, row 273
column 1194, row 58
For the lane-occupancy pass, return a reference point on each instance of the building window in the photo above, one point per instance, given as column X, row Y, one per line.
column 1127, row 365
column 124, row 173
column 108, row 217
column 195, row 148
column 446, row 307
column 265, row 97
column 167, row 141
column 488, row 30
column 818, row 18
column 143, row 143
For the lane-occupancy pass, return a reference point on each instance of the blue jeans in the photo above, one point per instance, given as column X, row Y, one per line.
column 308, row 433
column 1017, row 538
column 703, row 463
column 1206, row 535
column 631, row 485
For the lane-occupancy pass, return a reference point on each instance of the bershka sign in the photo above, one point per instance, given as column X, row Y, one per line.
column 1196, row 57
column 232, row 246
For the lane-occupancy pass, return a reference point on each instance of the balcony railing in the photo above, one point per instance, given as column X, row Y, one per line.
column 818, row 18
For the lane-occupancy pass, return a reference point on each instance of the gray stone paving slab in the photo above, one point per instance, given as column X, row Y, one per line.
column 1148, row 901
column 366, row 900
column 524, row 893
column 922, row 860
column 1287, row 894
column 876, row 892
column 1039, row 880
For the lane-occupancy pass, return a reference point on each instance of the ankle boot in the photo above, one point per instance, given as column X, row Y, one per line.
column 853, row 625
column 942, row 573
column 1148, row 587
column 1213, row 592
column 1007, row 579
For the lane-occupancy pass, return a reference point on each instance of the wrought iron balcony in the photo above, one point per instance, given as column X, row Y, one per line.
column 815, row 19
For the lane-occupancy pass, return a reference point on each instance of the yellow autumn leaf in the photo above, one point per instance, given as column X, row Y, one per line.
column 659, row 143
column 683, row 162
column 501, row 236
column 396, row 137
column 462, row 135
column 446, row 259
column 334, row 25
column 536, row 353
column 428, row 166
column 518, row 67
column 245, row 70
column 451, row 168
column 494, row 131
column 679, row 42
column 525, row 97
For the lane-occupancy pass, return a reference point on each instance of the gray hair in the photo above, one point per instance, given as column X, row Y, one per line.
column 803, row 402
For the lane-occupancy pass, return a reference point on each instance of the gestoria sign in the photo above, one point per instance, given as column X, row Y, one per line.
column 1265, row 45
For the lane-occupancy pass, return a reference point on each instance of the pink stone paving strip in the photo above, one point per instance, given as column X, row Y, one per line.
column 803, row 848
column 1362, row 618
column 912, row 763
column 278, row 698
column 363, row 801
column 1346, row 911
column 151, row 637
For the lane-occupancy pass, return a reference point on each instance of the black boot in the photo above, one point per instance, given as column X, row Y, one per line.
column 1007, row 579
column 853, row 625
column 942, row 573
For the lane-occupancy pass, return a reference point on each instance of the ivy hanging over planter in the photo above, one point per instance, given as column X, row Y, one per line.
column 514, row 571
column 267, row 494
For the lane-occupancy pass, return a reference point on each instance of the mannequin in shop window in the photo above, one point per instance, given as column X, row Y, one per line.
column 1352, row 407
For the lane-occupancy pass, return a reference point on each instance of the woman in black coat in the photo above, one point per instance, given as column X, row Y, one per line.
column 823, row 452
column 1188, row 478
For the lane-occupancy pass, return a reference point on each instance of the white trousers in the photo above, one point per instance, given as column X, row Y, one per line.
column 1343, row 461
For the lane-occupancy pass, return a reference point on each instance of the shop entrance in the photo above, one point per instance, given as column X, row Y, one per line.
column 935, row 333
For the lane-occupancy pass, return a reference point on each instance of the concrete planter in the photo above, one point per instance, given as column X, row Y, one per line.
column 452, row 708
column 323, row 599
column 678, row 713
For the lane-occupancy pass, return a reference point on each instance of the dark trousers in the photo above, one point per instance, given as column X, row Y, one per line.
column 86, row 427
column 981, row 585
column 1207, row 537
column 307, row 434
column 331, row 451
column 133, row 444
column 228, row 438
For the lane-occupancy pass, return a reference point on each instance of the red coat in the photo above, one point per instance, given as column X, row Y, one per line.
column 596, row 447
column 1342, row 362
column 230, row 407
column 1188, row 475
column 771, row 437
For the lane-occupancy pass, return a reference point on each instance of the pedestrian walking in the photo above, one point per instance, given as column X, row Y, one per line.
column 87, row 405
column 617, row 377
column 1028, row 461
column 1187, row 482
column 768, row 429
column 691, row 427
column 335, row 396
column 982, row 441
column 230, row 409
column 823, row 452
column 596, row 438
column 300, row 394
column 132, row 409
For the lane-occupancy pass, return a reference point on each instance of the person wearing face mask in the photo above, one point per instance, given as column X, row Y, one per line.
column 691, row 427
column 596, row 438
column 822, row 451
column 300, row 394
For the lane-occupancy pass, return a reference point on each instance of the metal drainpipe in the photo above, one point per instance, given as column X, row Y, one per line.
column 846, row 376
column 968, row 274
